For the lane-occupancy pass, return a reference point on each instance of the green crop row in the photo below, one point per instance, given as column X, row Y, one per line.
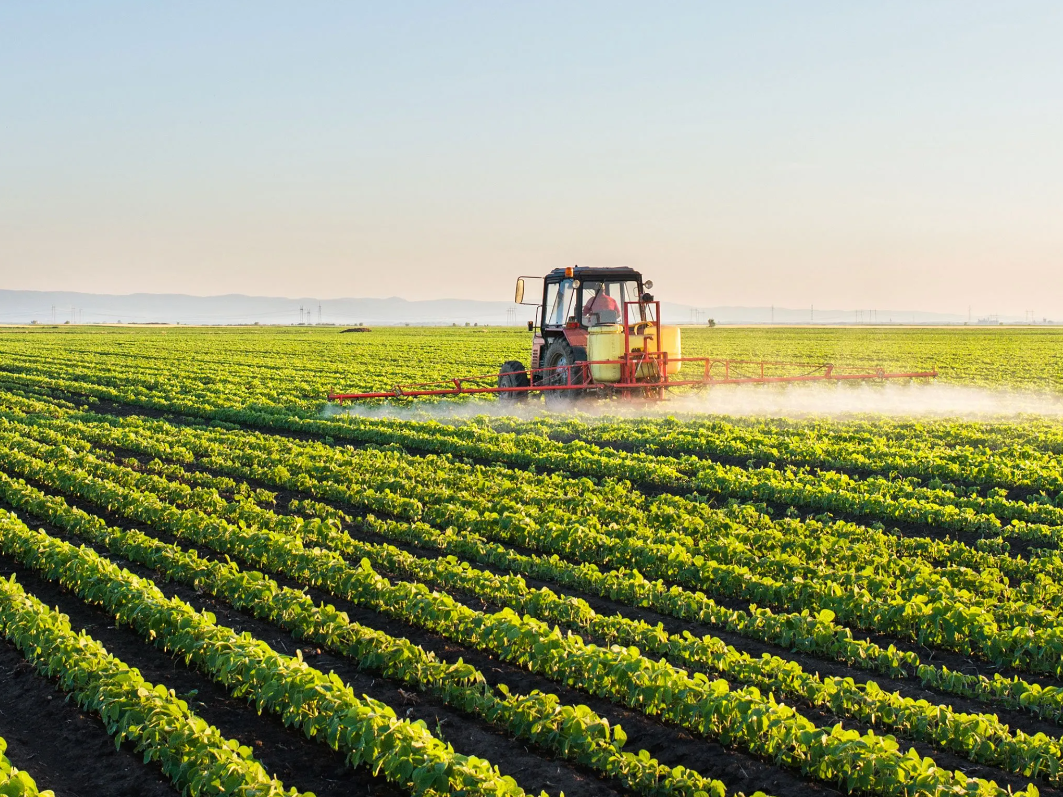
column 979, row 737
column 961, row 622
column 978, row 571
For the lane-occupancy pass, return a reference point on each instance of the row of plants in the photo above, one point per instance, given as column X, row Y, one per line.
column 941, row 551
column 807, row 632
column 676, row 564
column 957, row 620
column 980, row 737
column 821, row 637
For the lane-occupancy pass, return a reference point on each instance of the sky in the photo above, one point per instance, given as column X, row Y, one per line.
column 906, row 155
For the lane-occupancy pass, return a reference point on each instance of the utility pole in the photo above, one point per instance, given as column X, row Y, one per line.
column 319, row 314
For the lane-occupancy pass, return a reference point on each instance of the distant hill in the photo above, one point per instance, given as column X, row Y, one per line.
column 44, row 307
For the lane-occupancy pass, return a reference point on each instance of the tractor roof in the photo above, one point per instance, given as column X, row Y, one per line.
column 587, row 272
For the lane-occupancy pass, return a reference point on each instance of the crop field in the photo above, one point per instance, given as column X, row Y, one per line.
column 211, row 583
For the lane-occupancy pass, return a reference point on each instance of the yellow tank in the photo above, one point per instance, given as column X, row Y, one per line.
column 605, row 342
column 670, row 342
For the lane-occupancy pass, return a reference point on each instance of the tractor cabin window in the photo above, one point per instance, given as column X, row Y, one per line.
column 603, row 302
column 560, row 303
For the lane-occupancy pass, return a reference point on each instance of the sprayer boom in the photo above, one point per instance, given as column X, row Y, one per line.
column 598, row 332
column 577, row 377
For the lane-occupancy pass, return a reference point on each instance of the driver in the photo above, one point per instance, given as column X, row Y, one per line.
column 602, row 305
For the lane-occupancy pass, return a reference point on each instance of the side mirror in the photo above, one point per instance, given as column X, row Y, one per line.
column 647, row 285
column 519, row 296
column 531, row 326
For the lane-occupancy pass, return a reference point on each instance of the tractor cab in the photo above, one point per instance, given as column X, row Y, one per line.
column 574, row 301
column 596, row 296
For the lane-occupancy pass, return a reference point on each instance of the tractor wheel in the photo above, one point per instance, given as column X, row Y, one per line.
column 513, row 374
column 557, row 355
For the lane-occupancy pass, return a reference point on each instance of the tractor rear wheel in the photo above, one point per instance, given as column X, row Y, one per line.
column 513, row 374
column 558, row 355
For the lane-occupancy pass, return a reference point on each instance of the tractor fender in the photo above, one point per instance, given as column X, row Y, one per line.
column 577, row 339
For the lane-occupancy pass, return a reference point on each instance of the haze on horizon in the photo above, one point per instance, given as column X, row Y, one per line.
column 905, row 155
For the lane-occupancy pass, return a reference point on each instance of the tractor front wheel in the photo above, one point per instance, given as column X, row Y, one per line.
column 513, row 374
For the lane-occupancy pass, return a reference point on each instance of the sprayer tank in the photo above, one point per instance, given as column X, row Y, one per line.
column 606, row 342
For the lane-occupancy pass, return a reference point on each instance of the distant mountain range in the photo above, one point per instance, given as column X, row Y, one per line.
column 46, row 307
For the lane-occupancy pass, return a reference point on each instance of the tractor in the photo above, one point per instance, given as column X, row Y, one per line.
column 598, row 332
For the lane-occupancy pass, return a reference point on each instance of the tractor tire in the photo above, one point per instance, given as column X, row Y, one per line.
column 558, row 354
column 513, row 374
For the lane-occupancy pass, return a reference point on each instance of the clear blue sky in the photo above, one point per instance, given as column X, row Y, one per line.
column 901, row 155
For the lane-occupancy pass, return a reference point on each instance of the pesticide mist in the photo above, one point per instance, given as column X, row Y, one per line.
column 936, row 400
